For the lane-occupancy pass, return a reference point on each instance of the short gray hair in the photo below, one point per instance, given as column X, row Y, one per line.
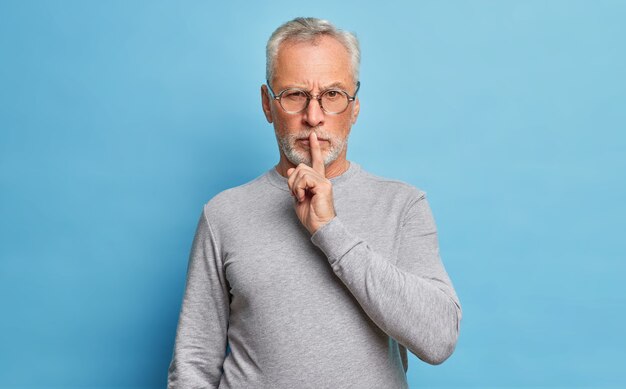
column 308, row 30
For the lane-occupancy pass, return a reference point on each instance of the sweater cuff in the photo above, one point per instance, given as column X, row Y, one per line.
column 334, row 240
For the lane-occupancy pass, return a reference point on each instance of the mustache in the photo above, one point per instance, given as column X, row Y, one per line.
column 304, row 134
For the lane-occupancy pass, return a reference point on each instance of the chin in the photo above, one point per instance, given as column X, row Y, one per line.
column 298, row 158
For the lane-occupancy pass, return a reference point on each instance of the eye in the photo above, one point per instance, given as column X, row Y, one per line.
column 332, row 95
column 294, row 95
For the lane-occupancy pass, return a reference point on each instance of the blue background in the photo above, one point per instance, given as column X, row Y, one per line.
column 120, row 119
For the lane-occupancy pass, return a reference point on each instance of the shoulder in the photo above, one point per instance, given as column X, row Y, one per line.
column 411, row 200
column 391, row 187
column 227, row 202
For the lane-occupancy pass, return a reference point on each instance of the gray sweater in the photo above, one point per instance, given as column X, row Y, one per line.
column 267, row 305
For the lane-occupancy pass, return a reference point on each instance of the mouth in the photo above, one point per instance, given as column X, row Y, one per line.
column 306, row 140
column 306, row 144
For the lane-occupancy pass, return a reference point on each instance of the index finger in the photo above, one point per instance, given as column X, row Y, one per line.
column 317, row 161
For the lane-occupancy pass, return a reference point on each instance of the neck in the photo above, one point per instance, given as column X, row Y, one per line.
column 334, row 169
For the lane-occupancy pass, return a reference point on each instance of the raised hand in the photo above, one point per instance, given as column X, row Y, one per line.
column 312, row 190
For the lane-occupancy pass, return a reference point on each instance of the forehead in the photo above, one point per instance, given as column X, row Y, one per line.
column 321, row 62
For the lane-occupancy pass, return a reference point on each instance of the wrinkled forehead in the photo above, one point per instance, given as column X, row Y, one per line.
column 323, row 59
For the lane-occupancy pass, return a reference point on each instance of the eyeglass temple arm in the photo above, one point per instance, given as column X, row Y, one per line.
column 267, row 82
column 358, row 86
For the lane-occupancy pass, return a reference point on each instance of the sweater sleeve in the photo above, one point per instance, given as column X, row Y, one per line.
column 411, row 297
column 201, row 336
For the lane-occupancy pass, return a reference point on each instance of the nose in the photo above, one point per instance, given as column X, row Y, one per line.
column 313, row 114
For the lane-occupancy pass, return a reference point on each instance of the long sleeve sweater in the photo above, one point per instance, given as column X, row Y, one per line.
column 267, row 305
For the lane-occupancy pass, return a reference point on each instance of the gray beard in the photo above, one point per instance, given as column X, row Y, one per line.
column 297, row 156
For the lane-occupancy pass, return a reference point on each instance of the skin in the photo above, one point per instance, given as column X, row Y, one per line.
column 312, row 66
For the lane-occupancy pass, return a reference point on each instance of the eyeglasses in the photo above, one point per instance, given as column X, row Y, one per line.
column 295, row 100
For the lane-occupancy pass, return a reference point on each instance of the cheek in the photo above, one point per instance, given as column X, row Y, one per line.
column 285, row 123
column 341, row 125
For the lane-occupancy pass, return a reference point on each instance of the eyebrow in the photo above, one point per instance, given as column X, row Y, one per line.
column 336, row 84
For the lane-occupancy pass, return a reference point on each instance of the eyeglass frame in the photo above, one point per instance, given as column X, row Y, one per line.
column 310, row 97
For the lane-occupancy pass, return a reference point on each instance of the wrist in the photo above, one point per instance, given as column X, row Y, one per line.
column 316, row 227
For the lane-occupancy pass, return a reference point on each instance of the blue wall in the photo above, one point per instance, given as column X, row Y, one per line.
column 119, row 119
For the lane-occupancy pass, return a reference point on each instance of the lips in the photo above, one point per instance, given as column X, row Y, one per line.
column 307, row 144
column 307, row 140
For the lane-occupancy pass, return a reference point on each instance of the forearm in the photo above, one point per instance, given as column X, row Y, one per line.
column 421, row 313
column 198, row 353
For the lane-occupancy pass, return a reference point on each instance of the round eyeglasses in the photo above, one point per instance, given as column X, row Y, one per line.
column 332, row 101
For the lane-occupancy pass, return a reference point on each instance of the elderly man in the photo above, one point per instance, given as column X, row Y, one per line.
column 316, row 274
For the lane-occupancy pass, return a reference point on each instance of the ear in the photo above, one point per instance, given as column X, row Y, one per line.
column 355, row 110
column 266, row 103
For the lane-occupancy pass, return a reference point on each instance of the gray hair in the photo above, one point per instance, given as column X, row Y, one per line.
column 308, row 30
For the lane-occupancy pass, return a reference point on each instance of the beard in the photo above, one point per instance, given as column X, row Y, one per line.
column 297, row 155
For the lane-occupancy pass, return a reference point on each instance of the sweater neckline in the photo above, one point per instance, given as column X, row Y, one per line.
column 281, row 182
